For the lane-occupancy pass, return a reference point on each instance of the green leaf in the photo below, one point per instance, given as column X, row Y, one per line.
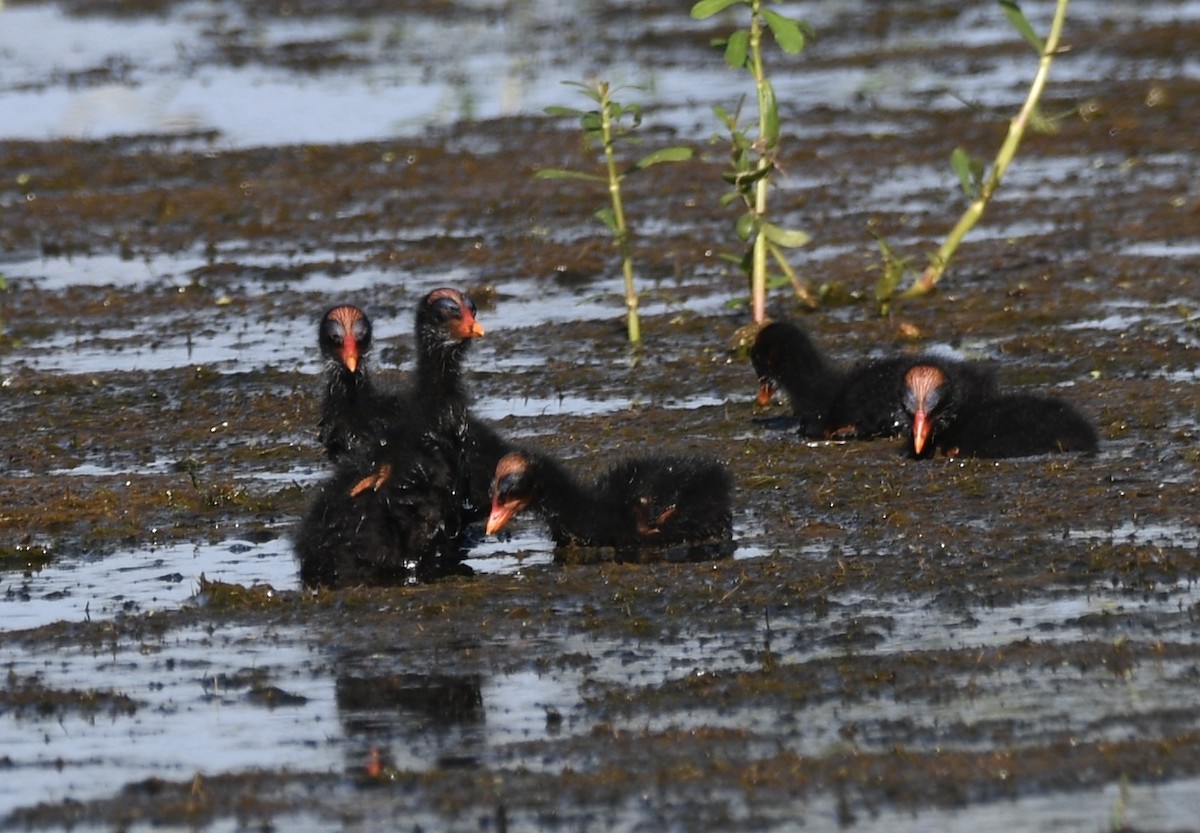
column 563, row 173
column 746, row 179
column 741, row 146
column 592, row 91
column 606, row 216
column 1017, row 17
column 787, row 32
column 737, row 48
column 969, row 171
column 730, row 120
column 707, row 8
column 1039, row 122
column 591, row 122
column 961, row 163
column 671, row 154
column 766, row 101
column 745, row 225
column 570, row 112
column 634, row 110
column 788, row 238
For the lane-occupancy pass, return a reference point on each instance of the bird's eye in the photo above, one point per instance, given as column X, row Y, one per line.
column 361, row 330
column 334, row 330
column 447, row 308
column 507, row 485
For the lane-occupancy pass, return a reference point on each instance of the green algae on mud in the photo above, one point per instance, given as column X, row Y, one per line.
column 894, row 636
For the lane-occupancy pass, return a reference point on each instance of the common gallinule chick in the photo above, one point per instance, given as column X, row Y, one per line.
column 935, row 391
column 1018, row 425
column 396, row 529
column 354, row 412
column 866, row 403
column 445, row 325
column 394, row 510
column 862, row 403
column 638, row 504
column 963, row 419
column 785, row 357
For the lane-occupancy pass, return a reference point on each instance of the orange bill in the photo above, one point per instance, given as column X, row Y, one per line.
column 766, row 390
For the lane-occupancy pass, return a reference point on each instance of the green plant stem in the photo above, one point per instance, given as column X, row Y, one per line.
column 758, row 268
column 614, row 190
column 1016, row 131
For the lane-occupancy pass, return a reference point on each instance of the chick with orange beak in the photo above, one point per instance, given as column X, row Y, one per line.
column 345, row 336
column 354, row 411
column 924, row 395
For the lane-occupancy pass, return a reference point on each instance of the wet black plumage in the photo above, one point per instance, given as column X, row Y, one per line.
column 864, row 402
column 784, row 357
column 400, row 530
column 1018, row 425
column 867, row 403
column 936, row 392
column 393, row 511
column 355, row 412
column 636, row 504
column 483, row 448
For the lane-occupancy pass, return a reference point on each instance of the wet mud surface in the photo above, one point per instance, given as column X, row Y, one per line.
column 895, row 645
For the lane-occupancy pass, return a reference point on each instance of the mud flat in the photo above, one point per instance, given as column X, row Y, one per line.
column 895, row 644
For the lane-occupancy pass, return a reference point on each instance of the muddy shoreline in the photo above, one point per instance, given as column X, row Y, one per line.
column 895, row 644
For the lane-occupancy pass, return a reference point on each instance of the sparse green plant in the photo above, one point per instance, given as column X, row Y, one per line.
column 604, row 127
column 978, row 187
column 754, row 160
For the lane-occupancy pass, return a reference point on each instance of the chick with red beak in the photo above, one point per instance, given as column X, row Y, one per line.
column 924, row 393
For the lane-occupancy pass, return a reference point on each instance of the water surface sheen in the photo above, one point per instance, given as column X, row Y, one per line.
column 894, row 644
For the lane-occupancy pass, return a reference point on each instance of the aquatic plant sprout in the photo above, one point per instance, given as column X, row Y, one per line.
column 753, row 160
column 604, row 127
column 970, row 171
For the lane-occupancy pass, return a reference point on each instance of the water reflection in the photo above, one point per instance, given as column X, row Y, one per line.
column 272, row 696
column 412, row 721
column 398, row 712
column 223, row 698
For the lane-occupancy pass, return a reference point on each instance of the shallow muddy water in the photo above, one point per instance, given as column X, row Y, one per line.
column 894, row 645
